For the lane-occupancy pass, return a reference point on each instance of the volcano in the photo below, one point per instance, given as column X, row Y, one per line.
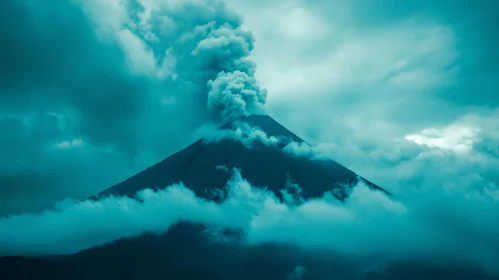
column 263, row 166
column 185, row 251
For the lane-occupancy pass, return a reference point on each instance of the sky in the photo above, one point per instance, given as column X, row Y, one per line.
column 404, row 93
column 84, row 96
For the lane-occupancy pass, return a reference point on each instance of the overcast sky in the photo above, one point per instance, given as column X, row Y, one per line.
column 376, row 85
column 403, row 93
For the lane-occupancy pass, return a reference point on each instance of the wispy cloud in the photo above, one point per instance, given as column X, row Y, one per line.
column 247, row 134
column 240, row 131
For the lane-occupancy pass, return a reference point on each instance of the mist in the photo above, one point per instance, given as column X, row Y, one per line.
column 92, row 92
column 438, row 227
column 248, row 134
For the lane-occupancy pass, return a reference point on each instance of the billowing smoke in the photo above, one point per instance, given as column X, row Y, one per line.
column 202, row 43
column 417, row 226
column 110, row 82
column 235, row 94
column 128, row 81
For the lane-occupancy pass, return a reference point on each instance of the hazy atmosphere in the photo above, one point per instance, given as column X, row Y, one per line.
column 404, row 93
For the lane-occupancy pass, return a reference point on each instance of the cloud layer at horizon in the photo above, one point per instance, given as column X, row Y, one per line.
column 367, row 223
column 403, row 94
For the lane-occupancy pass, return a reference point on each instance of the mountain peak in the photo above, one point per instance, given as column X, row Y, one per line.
column 198, row 167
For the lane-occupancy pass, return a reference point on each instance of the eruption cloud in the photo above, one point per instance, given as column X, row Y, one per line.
column 235, row 94
column 111, row 91
column 207, row 48
column 128, row 81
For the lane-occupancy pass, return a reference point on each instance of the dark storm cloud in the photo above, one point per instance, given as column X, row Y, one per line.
column 110, row 87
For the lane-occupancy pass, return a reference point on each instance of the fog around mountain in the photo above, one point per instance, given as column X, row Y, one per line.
column 393, row 174
column 349, row 217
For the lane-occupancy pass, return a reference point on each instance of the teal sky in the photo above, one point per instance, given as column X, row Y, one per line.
column 402, row 92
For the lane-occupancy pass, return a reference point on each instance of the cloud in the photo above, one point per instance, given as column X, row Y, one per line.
column 129, row 70
column 240, row 131
column 247, row 134
column 305, row 150
column 436, row 226
column 377, row 75
column 381, row 75
column 235, row 95
column 360, row 82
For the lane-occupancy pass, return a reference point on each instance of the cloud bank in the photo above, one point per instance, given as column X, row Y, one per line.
column 367, row 223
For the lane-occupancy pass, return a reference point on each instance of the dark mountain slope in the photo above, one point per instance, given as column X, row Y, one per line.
column 184, row 254
column 196, row 166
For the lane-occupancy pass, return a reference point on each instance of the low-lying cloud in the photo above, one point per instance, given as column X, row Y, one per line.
column 436, row 226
